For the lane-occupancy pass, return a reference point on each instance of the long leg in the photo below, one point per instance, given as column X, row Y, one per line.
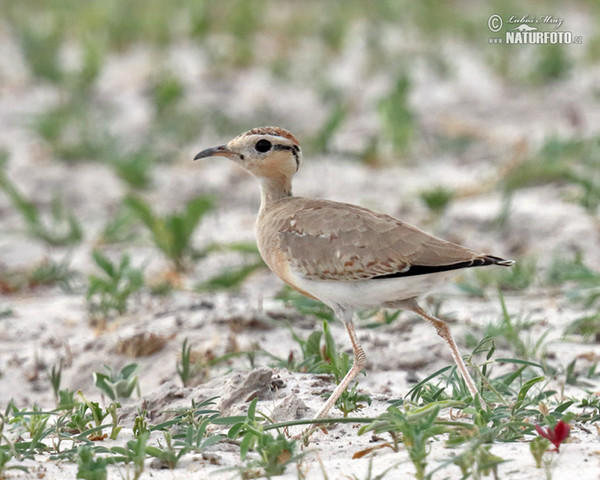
column 360, row 360
column 444, row 331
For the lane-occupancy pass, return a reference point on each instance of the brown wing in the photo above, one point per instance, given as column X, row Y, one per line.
column 335, row 241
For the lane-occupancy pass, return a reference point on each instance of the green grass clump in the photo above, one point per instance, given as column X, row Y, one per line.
column 172, row 234
column 587, row 326
column 232, row 278
column 304, row 305
column 61, row 228
column 514, row 332
column 135, row 167
column 579, row 280
column 110, row 292
column 516, row 278
column 275, row 453
column 569, row 162
column 73, row 130
column 553, row 64
column 166, row 93
column 415, row 432
column 46, row 273
column 320, row 355
column 118, row 385
column 396, row 116
column 437, row 199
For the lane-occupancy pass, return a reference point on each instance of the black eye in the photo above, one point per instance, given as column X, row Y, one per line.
column 263, row 146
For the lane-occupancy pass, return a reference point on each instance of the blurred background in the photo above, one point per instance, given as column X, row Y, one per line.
column 103, row 104
column 121, row 258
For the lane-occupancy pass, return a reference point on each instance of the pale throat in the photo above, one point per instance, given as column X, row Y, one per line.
column 274, row 188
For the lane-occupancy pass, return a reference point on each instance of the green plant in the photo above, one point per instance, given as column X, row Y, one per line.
column 34, row 423
column 86, row 418
column 319, row 355
column 551, row 164
column 111, row 291
column 517, row 278
column 186, row 433
column 172, row 234
column 591, row 409
column 47, row 272
column 413, row 430
column 63, row 227
column 369, row 475
column 135, row 167
column 118, row 385
column 191, row 425
column 184, row 368
column 437, row 198
column 115, row 427
column 510, row 329
column 538, row 447
column 66, row 399
column 379, row 318
column 140, row 424
column 54, row 376
column 90, row 466
column 5, row 457
column 553, row 64
column 396, row 116
column 335, row 363
column 169, row 453
column 337, row 115
column 120, row 228
column 73, row 130
column 562, row 161
column 233, row 277
column 275, row 453
column 134, row 452
column 230, row 278
column 40, row 45
column 167, row 91
column 352, row 400
column 193, row 367
column 477, row 460
column 587, row 326
column 581, row 281
column 312, row 360
column 194, row 435
column 304, row 305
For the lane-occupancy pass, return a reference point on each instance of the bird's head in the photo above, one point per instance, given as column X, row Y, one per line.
column 264, row 152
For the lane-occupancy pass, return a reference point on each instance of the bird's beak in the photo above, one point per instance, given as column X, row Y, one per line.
column 220, row 151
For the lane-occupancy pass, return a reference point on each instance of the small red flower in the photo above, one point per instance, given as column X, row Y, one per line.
column 557, row 434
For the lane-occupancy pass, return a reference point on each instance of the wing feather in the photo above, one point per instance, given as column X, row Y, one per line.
column 328, row 240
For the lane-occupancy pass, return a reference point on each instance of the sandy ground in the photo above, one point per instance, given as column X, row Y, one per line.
column 48, row 326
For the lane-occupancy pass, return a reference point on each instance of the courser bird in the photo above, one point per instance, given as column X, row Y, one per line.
column 346, row 256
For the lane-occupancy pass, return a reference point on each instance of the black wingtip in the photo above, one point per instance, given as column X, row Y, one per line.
column 428, row 269
column 491, row 260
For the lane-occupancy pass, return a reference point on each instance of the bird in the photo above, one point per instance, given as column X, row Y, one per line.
column 346, row 256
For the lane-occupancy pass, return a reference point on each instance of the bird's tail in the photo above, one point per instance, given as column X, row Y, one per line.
column 491, row 260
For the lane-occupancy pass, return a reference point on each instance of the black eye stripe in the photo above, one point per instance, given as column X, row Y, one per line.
column 281, row 147
column 295, row 150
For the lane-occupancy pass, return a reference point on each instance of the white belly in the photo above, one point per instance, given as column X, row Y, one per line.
column 370, row 293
